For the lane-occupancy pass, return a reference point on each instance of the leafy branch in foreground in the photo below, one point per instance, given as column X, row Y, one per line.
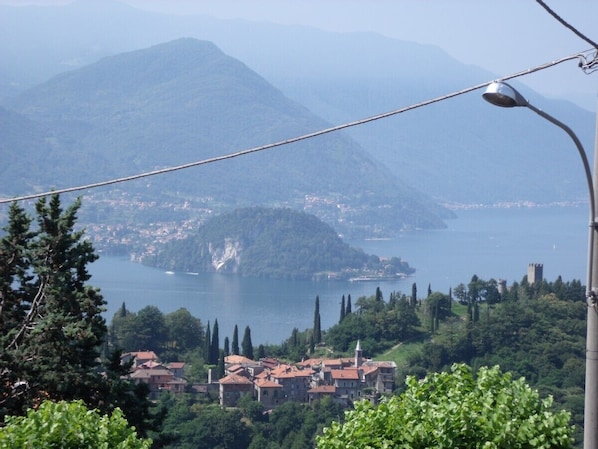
column 455, row 409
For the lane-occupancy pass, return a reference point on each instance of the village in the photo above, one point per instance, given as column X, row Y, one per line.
column 269, row 381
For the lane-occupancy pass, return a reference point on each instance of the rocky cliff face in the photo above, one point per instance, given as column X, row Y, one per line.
column 226, row 258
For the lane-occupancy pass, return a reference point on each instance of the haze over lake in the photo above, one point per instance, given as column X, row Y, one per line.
column 492, row 243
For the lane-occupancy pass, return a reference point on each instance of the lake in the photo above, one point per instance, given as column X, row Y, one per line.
column 492, row 243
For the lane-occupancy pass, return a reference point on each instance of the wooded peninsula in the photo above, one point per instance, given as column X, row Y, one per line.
column 276, row 243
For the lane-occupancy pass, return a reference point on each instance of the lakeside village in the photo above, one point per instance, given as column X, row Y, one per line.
column 272, row 382
column 269, row 381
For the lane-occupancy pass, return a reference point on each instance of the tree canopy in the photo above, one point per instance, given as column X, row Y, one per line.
column 51, row 327
column 456, row 409
column 69, row 425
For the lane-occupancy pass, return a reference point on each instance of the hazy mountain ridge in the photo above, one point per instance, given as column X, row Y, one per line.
column 460, row 150
column 184, row 101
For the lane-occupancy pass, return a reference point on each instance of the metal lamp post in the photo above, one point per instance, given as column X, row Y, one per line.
column 504, row 95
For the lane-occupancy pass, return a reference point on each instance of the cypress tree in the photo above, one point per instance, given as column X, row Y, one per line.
column 342, row 309
column 235, row 345
column 476, row 312
column 348, row 308
column 261, row 352
column 246, row 344
column 220, row 369
column 226, row 346
column 214, row 344
column 208, row 343
column 414, row 294
column 317, row 331
column 294, row 341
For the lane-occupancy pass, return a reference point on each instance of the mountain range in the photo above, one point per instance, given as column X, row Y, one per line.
column 459, row 151
column 184, row 101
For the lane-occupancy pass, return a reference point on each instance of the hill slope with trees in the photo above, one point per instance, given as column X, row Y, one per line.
column 272, row 243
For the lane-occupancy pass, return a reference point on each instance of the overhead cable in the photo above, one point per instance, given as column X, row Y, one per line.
column 567, row 25
column 582, row 57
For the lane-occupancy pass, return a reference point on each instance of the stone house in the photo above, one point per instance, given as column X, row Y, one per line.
column 232, row 387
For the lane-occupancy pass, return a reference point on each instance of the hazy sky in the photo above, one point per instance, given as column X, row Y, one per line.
column 504, row 36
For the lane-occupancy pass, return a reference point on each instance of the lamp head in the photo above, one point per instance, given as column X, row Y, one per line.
column 504, row 95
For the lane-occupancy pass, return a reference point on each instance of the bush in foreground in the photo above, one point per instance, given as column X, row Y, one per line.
column 69, row 425
column 455, row 410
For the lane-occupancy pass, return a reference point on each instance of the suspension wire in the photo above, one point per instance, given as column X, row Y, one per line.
column 580, row 56
column 567, row 25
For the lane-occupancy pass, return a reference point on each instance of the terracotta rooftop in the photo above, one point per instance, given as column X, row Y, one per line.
column 347, row 373
column 148, row 373
column 265, row 383
column 142, row 355
column 269, row 362
column 235, row 379
column 176, row 365
column 338, row 362
column 150, row 364
column 310, row 362
column 239, row 360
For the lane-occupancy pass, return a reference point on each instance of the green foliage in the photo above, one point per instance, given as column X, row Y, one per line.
column 536, row 331
column 291, row 425
column 235, row 343
column 455, row 410
column 69, row 425
column 317, row 330
column 173, row 335
column 51, row 324
column 273, row 243
column 376, row 323
column 246, row 344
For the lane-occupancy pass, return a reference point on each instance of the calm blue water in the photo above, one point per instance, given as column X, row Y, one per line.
column 492, row 243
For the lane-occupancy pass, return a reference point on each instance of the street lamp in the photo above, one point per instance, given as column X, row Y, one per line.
column 504, row 95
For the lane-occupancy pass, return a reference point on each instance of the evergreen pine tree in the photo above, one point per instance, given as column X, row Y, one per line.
column 342, row 309
column 51, row 324
column 246, row 344
column 64, row 327
column 16, row 292
column 235, row 344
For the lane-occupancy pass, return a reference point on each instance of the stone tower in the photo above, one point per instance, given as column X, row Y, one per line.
column 358, row 355
column 535, row 272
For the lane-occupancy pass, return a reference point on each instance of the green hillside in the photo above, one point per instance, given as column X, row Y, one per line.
column 273, row 243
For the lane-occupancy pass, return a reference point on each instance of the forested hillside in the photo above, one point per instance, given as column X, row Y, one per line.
column 273, row 243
